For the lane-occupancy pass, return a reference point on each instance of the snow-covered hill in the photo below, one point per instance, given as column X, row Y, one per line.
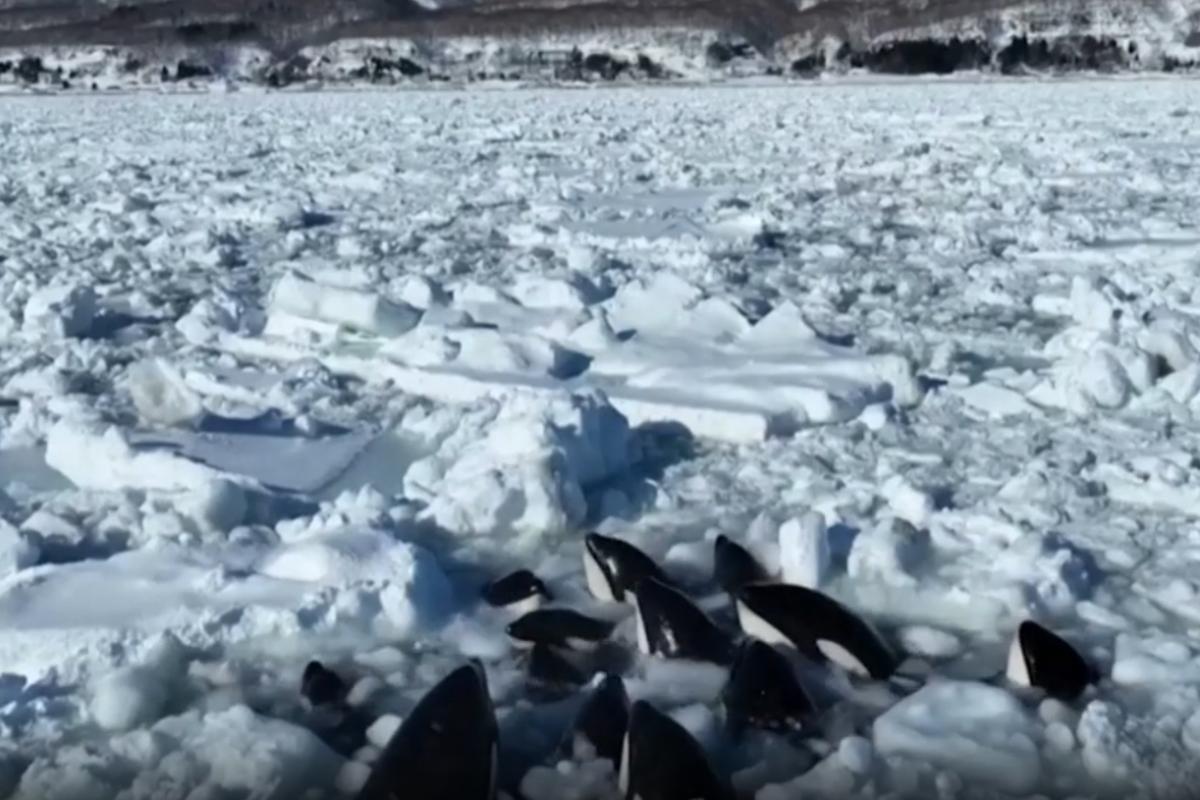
column 296, row 41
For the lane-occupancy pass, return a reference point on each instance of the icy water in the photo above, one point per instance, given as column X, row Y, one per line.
column 290, row 375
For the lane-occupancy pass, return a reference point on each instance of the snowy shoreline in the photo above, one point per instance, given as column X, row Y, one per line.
column 826, row 81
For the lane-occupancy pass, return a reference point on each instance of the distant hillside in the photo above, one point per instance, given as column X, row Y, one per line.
column 296, row 40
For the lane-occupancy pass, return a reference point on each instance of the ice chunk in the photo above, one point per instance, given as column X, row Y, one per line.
column 980, row 732
column 1184, row 385
column 995, row 401
column 1150, row 660
column 59, row 312
column 857, row 754
column 594, row 335
column 1170, row 341
column 16, row 551
column 804, row 550
column 247, row 755
column 419, row 292
column 892, row 552
column 1101, row 378
column 587, row 780
column 213, row 315
column 301, row 296
column 830, row 779
column 383, row 729
column 657, row 303
column 536, row 291
column 363, row 690
column 136, row 695
column 352, row 777
column 128, row 697
column 1091, row 306
column 218, row 505
column 97, row 458
column 907, row 501
column 412, row 589
column 922, row 640
column 160, row 394
column 783, row 326
column 526, row 466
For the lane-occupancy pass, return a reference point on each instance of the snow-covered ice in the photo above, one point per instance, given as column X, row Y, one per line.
column 290, row 376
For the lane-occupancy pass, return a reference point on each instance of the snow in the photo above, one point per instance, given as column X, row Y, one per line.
column 291, row 376
column 136, row 695
column 98, row 457
column 980, row 732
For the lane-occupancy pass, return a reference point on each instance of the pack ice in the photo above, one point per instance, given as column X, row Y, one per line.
column 288, row 377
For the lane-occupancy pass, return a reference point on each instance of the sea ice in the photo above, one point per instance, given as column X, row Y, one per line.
column 980, row 732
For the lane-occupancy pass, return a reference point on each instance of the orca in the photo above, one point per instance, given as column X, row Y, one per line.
column 672, row 626
column 1040, row 658
column 661, row 761
column 519, row 591
column 598, row 730
column 764, row 692
column 561, row 627
column 815, row 624
column 446, row 749
column 613, row 567
column 734, row 566
column 550, row 670
column 321, row 686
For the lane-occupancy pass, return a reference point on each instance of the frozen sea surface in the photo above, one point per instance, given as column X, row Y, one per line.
column 289, row 376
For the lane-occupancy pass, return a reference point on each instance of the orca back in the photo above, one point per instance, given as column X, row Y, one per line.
column 663, row 761
column 446, row 749
column 815, row 624
column 672, row 626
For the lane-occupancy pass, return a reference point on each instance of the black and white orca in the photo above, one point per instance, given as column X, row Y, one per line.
column 660, row 760
column 550, row 670
column 734, row 566
column 599, row 728
column 321, row 686
column 446, row 749
column 519, row 592
column 561, row 627
column 1040, row 658
column 672, row 626
column 613, row 567
column 764, row 692
column 815, row 624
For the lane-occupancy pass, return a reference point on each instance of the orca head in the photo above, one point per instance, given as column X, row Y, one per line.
column 519, row 591
column 613, row 567
column 661, row 760
column 1042, row 659
column 447, row 747
column 550, row 671
column 762, row 615
column 599, row 728
column 672, row 626
column 734, row 566
column 815, row 624
column 763, row 691
column 562, row 627
column 321, row 686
